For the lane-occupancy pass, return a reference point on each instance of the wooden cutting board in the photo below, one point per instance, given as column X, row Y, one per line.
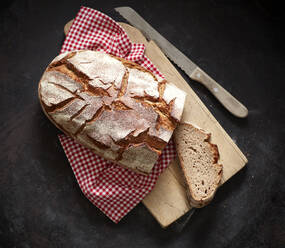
column 167, row 202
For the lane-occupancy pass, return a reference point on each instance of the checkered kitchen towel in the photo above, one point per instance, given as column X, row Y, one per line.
column 113, row 189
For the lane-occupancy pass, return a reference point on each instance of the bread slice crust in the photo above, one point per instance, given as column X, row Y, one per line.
column 199, row 162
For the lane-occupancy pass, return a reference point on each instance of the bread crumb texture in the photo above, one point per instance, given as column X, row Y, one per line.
column 199, row 162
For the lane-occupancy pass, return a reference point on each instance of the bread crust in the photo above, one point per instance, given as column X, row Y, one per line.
column 195, row 201
column 135, row 118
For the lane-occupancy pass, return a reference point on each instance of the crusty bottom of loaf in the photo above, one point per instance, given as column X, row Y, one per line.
column 198, row 159
column 95, row 152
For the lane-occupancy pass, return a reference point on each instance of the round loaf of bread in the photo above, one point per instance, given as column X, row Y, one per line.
column 115, row 107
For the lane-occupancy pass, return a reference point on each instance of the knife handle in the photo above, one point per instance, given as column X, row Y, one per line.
column 229, row 102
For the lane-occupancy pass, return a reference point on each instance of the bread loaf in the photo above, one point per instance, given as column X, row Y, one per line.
column 115, row 107
column 199, row 162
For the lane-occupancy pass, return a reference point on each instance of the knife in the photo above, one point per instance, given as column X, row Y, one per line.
column 189, row 67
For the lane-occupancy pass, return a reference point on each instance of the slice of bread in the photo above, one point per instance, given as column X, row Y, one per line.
column 198, row 159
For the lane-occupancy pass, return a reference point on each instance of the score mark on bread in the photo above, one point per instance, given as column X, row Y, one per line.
column 115, row 107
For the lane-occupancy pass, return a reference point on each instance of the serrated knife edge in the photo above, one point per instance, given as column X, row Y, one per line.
column 170, row 50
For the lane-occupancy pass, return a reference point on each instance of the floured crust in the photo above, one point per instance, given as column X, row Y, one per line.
column 112, row 106
column 211, row 177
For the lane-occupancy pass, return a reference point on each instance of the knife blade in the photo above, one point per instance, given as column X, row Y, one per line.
column 188, row 66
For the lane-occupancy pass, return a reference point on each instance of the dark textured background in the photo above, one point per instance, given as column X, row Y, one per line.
column 239, row 43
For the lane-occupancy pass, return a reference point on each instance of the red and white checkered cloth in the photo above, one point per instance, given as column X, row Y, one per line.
column 113, row 189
